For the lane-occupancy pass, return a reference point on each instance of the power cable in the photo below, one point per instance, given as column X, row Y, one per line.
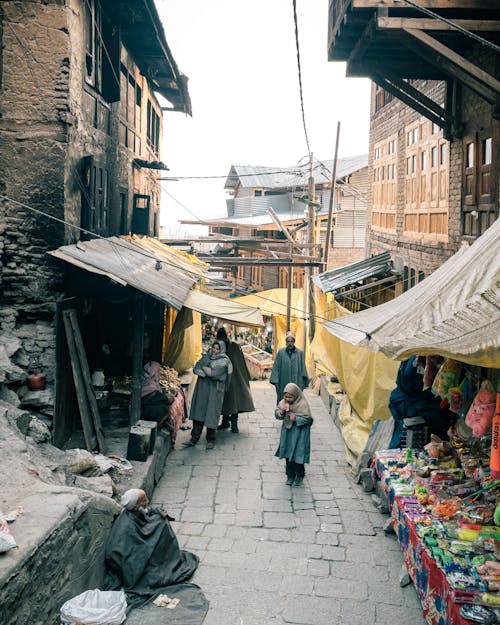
column 99, row 236
column 452, row 24
column 300, row 73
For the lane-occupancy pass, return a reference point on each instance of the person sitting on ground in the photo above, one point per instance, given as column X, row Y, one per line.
column 214, row 371
column 289, row 366
column 295, row 439
column 238, row 397
column 142, row 555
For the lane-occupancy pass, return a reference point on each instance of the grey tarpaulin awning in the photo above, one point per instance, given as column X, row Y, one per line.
column 129, row 263
column 454, row 312
column 376, row 266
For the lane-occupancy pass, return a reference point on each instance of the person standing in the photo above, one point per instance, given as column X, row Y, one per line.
column 295, row 438
column 214, row 371
column 289, row 366
column 238, row 397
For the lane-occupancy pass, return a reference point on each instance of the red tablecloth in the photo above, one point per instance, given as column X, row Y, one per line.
column 433, row 589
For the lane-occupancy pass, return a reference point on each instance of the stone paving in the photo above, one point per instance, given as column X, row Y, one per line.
column 272, row 554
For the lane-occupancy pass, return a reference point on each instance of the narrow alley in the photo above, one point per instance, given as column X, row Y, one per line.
column 272, row 554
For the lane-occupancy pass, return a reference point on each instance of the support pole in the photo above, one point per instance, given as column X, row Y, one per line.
column 332, row 197
column 289, row 299
column 138, row 338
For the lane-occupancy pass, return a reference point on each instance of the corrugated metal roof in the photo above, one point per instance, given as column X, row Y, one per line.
column 135, row 264
column 283, row 177
column 335, row 279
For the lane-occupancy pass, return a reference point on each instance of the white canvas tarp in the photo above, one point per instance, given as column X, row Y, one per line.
column 227, row 309
column 454, row 312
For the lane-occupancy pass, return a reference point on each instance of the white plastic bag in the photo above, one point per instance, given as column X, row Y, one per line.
column 7, row 541
column 95, row 607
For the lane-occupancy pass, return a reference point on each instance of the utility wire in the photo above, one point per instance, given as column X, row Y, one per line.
column 461, row 29
column 99, row 236
column 300, row 74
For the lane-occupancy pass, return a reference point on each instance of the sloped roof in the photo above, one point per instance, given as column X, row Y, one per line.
column 339, row 277
column 254, row 176
column 454, row 312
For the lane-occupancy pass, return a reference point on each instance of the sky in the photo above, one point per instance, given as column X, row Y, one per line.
column 241, row 61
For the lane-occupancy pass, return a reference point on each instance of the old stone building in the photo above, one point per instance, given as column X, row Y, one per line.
column 80, row 137
column 434, row 132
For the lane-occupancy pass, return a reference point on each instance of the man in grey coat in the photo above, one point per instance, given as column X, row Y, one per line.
column 289, row 366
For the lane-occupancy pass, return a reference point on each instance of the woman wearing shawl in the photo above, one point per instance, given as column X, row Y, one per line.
column 295, row 439
column 214, row 374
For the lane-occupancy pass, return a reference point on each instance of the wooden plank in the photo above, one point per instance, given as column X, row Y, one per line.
column 81, row 395
column 89, row 389
column 138, row 342
column 429, row 23
column 474, row 77
column 478, row 5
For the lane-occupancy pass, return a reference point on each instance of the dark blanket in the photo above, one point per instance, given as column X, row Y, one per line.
column 143, row 557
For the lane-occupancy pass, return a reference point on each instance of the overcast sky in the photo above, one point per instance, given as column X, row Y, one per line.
column 241, row 61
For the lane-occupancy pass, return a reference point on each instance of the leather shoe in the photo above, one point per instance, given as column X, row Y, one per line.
column 298, row 480
column 210, row 445
column 289, row 481
column 234, row 428
column 189, row 443
column 224, row 425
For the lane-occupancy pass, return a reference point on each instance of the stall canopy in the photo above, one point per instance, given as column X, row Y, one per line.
column 227, row 309
column 454, row 312
column 149, row 266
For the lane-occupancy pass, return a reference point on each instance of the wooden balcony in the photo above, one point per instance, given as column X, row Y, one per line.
column 391, row 41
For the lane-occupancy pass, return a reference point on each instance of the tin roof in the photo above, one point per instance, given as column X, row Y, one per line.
column 335, row 279
column 283, row 177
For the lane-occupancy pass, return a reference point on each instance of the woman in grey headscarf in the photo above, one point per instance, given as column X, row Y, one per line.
column 214, row 371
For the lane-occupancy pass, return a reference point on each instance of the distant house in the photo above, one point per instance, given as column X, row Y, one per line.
column 285, row 189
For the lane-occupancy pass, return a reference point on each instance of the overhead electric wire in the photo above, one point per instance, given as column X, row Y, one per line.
column 454, row 25
column 99, row 236
column 300, row 73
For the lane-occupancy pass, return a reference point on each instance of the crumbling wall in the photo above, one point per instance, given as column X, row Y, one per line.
column 33, row 141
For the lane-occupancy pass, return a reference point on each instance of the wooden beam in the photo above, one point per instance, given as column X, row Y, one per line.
column 478, row 5
column 428, row 23
column 363, row 42
column 454, row 65
column 418, row 105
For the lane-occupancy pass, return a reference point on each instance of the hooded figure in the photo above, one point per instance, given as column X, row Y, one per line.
column 295, row 438
column 238, row 397
column 214, row 371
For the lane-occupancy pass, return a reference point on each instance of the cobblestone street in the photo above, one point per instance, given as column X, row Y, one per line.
column 272, row 554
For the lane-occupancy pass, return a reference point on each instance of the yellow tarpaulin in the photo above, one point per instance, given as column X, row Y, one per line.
column 184, row 343
column 367, row 378
column 273, row 304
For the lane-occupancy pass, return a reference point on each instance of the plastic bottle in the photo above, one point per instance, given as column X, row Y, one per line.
column 409, row 455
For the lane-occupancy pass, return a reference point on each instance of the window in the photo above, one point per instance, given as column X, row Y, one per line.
column 486, row 151
column 469, row 155
column 140, row 214
column 95, row 196
column 434, row 159
column 153, row 129
column 443, row 148
column 382, row 97
column 101, row 52
column 130, row 111
column 123, row 212
column 257, row 193
column 423, row 161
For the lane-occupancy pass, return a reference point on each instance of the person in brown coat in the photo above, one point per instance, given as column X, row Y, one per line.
column 238, row 397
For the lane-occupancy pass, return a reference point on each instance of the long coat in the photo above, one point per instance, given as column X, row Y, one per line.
column 208, row 395
column 238, row 397
column 289, row 367
column 295, row 442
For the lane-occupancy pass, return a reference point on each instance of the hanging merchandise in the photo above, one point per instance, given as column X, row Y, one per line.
column 495, row 450
column 482, row 410
column 446, row 378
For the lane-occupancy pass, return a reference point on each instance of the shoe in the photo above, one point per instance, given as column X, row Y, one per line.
column 234, row 428
column 289, row 481
column 210, row 445
column 298, row 480
column 224, row 425
column 189, row 443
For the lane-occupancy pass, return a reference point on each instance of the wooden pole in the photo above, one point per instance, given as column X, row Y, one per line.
column 332, row 196
column 138, row 338
column 289, row 295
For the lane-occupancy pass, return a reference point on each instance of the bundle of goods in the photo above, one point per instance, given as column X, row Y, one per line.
column 169, row 380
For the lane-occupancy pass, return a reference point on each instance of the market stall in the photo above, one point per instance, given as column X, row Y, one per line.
column 258, row 361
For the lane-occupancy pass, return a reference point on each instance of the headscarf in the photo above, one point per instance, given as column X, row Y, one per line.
column 150, row 380
column 222, row 352
column 130, row 498
column 290, row 335
column 299, row 406
column 222, row 335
